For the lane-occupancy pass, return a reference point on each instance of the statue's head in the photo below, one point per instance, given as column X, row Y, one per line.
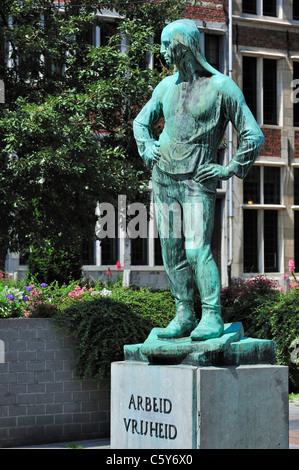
column 180, row 36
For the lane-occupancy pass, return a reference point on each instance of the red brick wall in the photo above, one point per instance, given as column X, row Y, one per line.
column 257, row 37
column 272, row 145
column 211, row 10
column 296, row 150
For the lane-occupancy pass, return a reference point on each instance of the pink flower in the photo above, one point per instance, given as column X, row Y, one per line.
column 109, row 272
column 1, row 274
column 291, row 265
column 286, row 276
column 118, row 266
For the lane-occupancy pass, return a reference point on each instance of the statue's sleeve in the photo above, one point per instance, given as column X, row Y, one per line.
column 251, row 138
column 143, row 125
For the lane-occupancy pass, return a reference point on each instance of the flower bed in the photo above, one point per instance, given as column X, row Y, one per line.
column 31, row 299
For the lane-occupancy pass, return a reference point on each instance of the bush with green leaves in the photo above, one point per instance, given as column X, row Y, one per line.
column 240, row 299
column 48, row 264
column 266, row 312
column 278, row 319
column 101, row 327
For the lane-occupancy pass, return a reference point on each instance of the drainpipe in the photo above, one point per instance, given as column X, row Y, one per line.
column 230, row 145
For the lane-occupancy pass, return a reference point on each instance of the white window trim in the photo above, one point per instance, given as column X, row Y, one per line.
column 260, row 55
column 261, row 208
column 259, row 11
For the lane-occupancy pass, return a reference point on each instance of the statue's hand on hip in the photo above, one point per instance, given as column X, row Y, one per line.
column 212, row 171
column 153, row 154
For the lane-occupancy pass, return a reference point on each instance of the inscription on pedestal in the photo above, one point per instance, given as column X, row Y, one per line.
column 153, row 410
column 143, row 427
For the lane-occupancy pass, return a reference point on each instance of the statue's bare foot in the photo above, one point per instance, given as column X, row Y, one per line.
column 179, row 327
column 210, row 326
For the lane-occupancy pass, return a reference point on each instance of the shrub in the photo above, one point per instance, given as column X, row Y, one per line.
column 99, row 329
column 267, row 312
column 279, row 320
column 49, row 264
column 239, row 300
column 156, row 305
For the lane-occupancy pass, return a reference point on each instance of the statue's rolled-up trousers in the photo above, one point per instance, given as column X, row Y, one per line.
column 185, row 217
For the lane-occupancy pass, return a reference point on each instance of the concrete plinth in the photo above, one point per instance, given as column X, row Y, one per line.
column 188, row 407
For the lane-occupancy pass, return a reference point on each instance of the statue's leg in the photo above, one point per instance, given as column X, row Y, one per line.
column 178, row 271
column 199, row 221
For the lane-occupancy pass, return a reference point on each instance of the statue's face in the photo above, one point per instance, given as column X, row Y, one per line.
column 171, row 49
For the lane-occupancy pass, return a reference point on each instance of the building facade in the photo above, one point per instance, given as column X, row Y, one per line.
column 257, row 220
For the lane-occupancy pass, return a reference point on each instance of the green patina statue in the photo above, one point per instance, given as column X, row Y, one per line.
column 196, row 102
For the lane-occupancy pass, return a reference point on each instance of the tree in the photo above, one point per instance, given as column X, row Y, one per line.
column 66, row 128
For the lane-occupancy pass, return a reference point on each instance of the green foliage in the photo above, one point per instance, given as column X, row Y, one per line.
column 155, row 305
column 266, row 312
column 56, row 161
column 99, row 329
column 240, row 299
column 279, row 320
column 35, row 299
column 46, row 264
column 101, row 319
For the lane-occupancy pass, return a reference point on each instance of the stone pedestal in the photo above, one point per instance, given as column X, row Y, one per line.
column 156, row 406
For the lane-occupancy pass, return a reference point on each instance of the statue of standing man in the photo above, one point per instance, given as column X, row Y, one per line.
column 197, row 102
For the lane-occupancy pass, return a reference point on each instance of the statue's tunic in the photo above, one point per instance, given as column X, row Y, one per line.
column 196, row 115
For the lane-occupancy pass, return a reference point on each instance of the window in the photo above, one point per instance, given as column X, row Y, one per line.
column 250, row 83
column 158, row 252
column 270, row 91
column 296, row 186
column 88, row 251
column 296, row 216
column 110, row 246
column 263, row 101
column 296, row 105
column 295, row 10
column 212, row 50
column 98, row 34
column 271, row 185
column 260, row 7
column 251, row 189
column 269, row 7
column 296, row 237
column 270, row 241
column 261, row 190
column 250, row 239
column 139, row 251
column 262, row 185
column 249, row 6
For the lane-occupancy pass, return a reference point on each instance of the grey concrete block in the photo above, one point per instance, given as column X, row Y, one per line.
column 187, row 407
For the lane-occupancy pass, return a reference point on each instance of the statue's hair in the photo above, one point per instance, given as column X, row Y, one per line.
column 185, row 32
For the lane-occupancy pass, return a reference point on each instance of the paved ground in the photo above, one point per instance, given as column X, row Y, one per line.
column 294, row 424
column 105, row 443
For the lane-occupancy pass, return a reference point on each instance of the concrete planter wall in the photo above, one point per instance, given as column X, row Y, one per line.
column 40, row 400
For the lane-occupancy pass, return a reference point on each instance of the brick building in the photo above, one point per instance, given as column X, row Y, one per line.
column 266, row 61
column 257, row 220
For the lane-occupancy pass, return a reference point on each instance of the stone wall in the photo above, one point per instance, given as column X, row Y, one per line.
column 40, row 400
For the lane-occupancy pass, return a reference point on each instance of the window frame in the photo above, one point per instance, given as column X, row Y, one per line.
column 259, row 9
column 261, row 57
column 263, row 209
